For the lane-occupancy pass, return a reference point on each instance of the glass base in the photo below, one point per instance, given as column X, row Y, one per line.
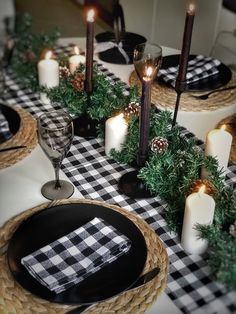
column 50, row 192
column 130, row 185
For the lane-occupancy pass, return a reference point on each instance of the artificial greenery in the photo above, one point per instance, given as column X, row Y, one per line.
column 169, row 173
column 28, row 47
column 108, row 97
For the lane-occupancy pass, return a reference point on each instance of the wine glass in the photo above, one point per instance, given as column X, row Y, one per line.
column 147, row 61
column 146, row 56
column 55, row 133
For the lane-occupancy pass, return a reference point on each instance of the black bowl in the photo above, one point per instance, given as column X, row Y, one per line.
column 113, row 55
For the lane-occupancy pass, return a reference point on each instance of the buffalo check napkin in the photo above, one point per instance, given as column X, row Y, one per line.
column 198, row 68
column 75, row 256
column 5, row 132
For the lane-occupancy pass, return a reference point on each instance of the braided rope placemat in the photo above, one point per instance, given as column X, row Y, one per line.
column 230, row 123
column 26, row 136
column 14, row 299
column 165, row 97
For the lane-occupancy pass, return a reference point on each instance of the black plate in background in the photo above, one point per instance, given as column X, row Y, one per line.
column 49, row 225
column 212, row 82
column 113, row 55
column 12, row 118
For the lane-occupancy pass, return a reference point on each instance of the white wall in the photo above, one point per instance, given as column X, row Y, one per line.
column 162, row 21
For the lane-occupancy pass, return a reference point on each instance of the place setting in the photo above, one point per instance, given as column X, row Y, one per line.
column 102, row 278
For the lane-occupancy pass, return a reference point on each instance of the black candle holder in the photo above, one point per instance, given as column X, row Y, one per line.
column 84, row 126
column 147, row 60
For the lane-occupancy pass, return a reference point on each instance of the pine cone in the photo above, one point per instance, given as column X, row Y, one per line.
column 195, row 186
column 132, row 109
column 29, row 55
column 78, row 82
column 159, row 144
column 64, row 72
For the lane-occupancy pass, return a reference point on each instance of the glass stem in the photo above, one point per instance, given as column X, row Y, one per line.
column 57, row 168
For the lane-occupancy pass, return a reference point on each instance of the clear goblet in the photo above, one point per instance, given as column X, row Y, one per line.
column 55, row 133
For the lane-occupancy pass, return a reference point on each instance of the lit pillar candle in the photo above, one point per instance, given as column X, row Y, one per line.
column 115, row 133
column 144, row 123
column 218, row 145
column 89, row 52
column 75, row 60
column 48, row 74
column 199, row 209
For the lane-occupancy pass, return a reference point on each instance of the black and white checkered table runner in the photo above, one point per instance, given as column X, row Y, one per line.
column 96, row 177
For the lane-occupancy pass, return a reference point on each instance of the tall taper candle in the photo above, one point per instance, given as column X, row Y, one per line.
column 183, row 60
column 180, row 83
column 89, row 52
column 144, row 123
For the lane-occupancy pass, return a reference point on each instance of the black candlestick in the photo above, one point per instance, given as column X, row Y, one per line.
column 89, row 52
column 147, row 60
column 144, row 124
column 180, row 83
column 84, row 126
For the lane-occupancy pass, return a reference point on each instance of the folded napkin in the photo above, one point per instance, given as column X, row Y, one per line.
column 5, row 132
column 75, row 256
column 198, row 68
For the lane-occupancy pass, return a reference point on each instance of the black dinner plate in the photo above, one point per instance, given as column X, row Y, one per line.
column 212, row 82
column 113, row 55
column 50, row 224
column 12, row 118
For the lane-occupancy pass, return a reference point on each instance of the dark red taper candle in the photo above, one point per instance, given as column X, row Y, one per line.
column 89, row 52
column 183, row 60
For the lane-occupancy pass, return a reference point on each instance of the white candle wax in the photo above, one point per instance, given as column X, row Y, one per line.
column 48, row 74
column 115, row 133
column 218, row 145
column 199, row 208
column 75, row 60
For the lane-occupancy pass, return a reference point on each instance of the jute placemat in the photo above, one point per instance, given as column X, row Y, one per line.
column 165, row 97
column 26, row 136
column 230, row 123
column 14, row 299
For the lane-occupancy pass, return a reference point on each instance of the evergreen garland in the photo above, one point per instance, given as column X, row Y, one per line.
column 170, row 175
column 28, row 47
column 108, row 97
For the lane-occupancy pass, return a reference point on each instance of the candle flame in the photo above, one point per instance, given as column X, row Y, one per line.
column 76, row 50
column 202, row 189
column 48, row 55
column 191, row 8
column 223, row 127
column 90, row 16
column 149, row 71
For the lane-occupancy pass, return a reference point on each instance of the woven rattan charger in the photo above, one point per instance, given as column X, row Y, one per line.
column 165, row 97
column 26, row 136
column 14, row 299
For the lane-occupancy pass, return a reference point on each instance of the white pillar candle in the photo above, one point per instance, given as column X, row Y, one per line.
column 48, row 74
column 75, row 60
column 218, row 145
column 199, row 209
column 115, row 133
